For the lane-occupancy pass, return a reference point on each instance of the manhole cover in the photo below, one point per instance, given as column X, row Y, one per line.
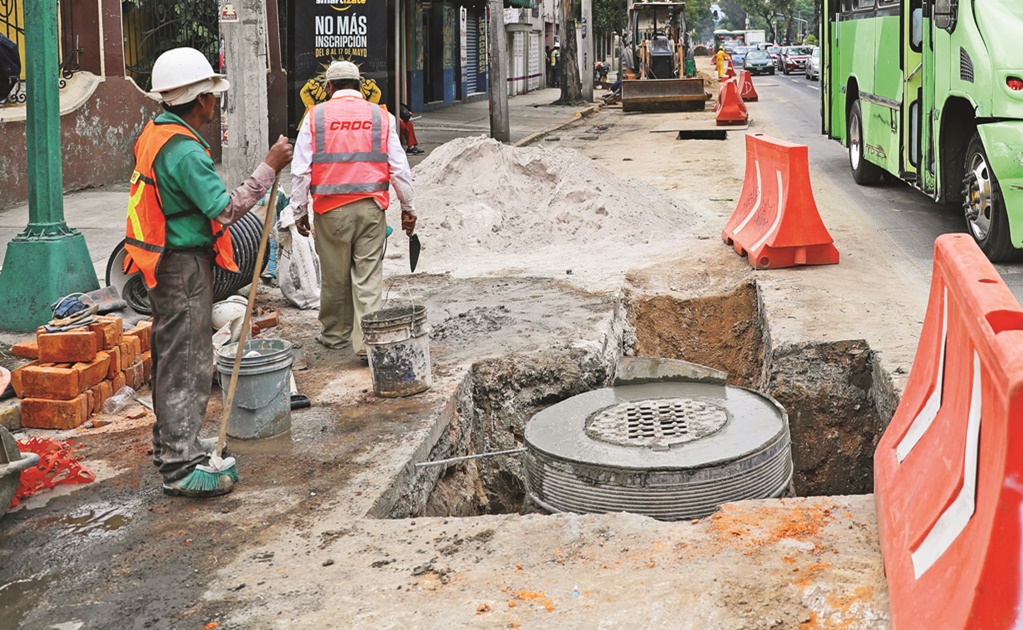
column 658, row 422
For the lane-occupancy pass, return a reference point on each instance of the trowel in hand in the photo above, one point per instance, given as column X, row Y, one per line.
column 413, row 251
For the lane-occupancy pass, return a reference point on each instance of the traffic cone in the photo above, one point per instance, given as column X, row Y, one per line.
column 730, row 108
column 747, row 91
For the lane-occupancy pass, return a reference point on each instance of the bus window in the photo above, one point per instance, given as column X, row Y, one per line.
column 916, row 33
column 945, row 14
column 889, row 3
column 862, row 5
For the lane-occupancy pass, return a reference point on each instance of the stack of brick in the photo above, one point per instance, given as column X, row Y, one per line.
column 73, row 373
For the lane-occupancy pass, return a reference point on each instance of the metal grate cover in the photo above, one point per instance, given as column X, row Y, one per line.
column 659, row 422
column 669, row 450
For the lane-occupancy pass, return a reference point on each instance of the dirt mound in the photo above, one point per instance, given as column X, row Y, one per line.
column 478, row 194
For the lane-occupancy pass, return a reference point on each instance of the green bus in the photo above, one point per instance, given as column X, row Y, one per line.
column 931, row 92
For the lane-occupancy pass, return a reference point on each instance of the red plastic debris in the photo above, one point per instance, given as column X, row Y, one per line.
column 56, row 466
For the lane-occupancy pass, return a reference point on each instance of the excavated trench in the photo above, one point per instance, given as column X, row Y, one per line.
column 837, row 397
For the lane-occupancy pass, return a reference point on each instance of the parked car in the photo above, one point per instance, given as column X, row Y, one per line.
column 794, row 58
column 759, row 62
column 739, row 55
column 813, row 64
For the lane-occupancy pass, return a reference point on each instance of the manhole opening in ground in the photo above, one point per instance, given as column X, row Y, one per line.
column 836, row 397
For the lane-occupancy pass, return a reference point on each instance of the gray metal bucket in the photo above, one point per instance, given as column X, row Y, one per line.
column 398, row 346
column 262, row 399
column 12, row 463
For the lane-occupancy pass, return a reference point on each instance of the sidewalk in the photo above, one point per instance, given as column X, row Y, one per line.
column 99, row 212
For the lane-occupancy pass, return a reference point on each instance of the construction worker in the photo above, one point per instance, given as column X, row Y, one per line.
column 719, row 60
column 556, row 64
column 346, row 153
column 178, row 213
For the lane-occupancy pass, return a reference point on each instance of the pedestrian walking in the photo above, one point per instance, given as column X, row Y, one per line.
column 178, row 213
column 346, row 153
column 556, row 64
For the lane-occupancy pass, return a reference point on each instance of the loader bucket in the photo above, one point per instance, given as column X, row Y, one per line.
column 663, row 95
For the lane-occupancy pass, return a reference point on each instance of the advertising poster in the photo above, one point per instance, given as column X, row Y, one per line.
column 327, row 30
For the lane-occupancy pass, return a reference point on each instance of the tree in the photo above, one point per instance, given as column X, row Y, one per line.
column 609, row 18
column 571, row 83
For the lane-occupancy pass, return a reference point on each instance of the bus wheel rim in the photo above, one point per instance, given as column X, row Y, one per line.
column 854, row 142
column 979, row 206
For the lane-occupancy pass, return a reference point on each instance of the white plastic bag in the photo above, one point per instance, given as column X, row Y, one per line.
column 298, row 266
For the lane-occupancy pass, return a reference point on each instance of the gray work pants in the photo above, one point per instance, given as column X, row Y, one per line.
column 350, row 243
column 182, row 375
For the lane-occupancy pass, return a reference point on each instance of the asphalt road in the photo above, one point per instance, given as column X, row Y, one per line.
column 905, row 217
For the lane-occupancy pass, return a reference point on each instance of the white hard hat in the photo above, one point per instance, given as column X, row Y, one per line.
column 181, row 68
column 342, row 70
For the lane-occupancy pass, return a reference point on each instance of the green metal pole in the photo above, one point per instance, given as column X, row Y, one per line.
column 45, row 194
column 47, row 260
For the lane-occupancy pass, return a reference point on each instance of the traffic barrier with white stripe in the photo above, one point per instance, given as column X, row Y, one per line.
column 776, row 223
column 948, row 472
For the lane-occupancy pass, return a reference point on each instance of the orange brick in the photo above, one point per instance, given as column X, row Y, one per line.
column 132, row 338
column 133, row 376
column 27, row 349
column 53, row 382
column 37, row 413
column 115, row 361
column 144, row 335
column 109, row 329
column 19, row 389
column 89, row 374
column 147, row 366
column 269, row 320
column 90, row 401
column 131, row 351
column 73, row 346
column 100, row 393
column 118, row 382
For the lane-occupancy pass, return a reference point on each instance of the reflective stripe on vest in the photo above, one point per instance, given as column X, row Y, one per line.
column 146, row 230
column 350, row 138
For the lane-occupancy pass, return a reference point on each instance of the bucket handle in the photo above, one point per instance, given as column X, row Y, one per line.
column 408, row 289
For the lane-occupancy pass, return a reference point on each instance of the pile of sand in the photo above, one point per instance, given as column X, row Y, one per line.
column 484, row 206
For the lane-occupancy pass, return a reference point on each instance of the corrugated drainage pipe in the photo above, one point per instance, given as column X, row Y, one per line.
column 245, row 235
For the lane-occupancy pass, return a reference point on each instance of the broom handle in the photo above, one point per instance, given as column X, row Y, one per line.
column 271, row 204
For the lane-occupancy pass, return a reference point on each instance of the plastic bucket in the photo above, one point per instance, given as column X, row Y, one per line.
column 262, row 398
column 398, row 345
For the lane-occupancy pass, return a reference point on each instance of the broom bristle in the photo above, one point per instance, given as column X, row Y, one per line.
column 202, row 481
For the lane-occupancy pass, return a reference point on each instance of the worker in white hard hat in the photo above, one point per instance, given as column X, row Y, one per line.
column 347, row 156
column 178, row 213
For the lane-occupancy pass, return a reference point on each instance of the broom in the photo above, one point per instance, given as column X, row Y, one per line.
column 207, row 477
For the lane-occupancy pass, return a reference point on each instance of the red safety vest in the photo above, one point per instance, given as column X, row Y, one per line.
column 146, row 232
column 350, row 137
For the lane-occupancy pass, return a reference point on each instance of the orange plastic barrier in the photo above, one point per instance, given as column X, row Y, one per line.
column 948, row 472
column 776, row 223
column 730, row 108
column 730, row 70
column 746, row 89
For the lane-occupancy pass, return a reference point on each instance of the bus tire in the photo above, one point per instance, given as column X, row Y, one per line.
column 986, row 219
column 864, row 172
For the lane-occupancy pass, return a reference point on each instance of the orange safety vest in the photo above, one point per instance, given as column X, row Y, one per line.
column 146, row 232
column 350, row 138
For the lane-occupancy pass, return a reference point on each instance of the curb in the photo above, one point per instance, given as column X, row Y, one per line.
column 579, row 115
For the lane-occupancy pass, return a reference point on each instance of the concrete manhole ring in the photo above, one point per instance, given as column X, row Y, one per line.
column 657, row 422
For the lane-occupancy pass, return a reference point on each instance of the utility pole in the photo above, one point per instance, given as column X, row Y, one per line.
column 245, row 106
column 587, row 50
column 48, row 259
column 499, row 122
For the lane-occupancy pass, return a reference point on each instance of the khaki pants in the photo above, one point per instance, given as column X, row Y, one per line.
column 350, row 244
